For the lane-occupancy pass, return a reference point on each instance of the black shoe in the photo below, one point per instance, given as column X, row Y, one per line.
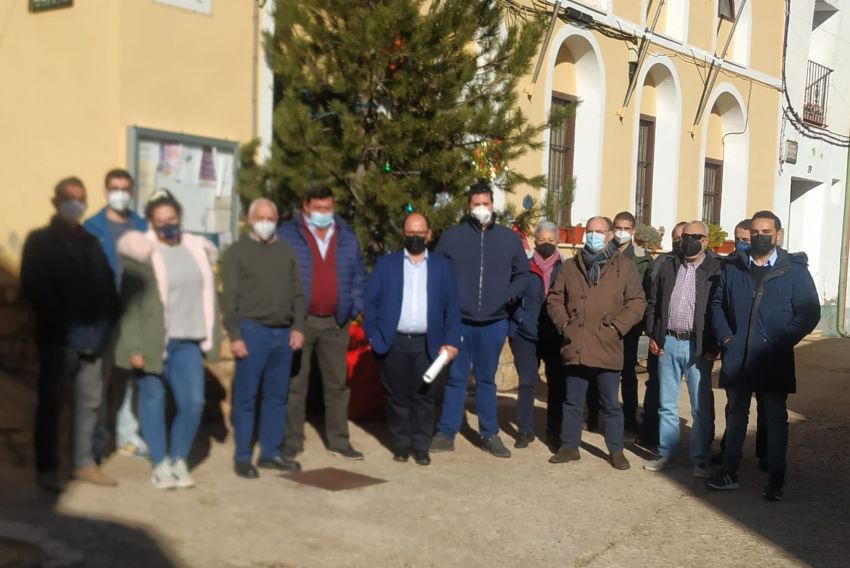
column 291, row 453
column 401, row 455
column 631, row 424
column 763, row 464
column 716, row 459
column 347, row 452
column 494, row 445
column 723, row 481
column 279, row 463
column 246, row 470
column 442, row 443
column 773, row 493
column 421, row 457
column 523, row 440
column 553, row 442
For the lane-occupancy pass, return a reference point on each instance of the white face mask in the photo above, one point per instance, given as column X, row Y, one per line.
column 622, row 237
column 119, row 200
column 482, row 213
column 264, row 229
column 71, row 210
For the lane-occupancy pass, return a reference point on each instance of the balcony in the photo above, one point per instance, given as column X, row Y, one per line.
column 817, row 94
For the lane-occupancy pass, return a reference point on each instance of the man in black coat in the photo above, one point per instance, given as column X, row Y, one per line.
column 71, row 287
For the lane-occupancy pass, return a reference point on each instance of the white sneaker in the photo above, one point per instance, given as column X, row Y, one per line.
column 180, row 471
column 702, row 471
column 162, row 477
column 659, row 464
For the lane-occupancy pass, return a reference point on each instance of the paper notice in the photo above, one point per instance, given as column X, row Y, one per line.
column 436, row 367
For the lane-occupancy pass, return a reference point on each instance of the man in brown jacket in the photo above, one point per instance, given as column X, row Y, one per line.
column 596, row 299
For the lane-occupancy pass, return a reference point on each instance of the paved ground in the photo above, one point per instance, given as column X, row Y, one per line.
column 466, row 509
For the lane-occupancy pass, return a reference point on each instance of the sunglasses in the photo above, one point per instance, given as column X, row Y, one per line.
column 693, row 236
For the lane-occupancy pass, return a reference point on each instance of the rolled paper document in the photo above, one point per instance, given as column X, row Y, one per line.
column 436, row 367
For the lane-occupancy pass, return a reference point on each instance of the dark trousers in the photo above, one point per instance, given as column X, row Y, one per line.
column 651, row 402
column 761, row 437
column 628, row 378
column 773, row 406
column 59, row 367
column 410, row 405
column 608, row 384
column 329, row 342
column 527, row 356
column 269, row 363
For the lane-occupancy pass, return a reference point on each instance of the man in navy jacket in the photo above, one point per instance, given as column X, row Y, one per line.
column 491, row 268
column 334, row 280
column 411, row 314
column 765, row 303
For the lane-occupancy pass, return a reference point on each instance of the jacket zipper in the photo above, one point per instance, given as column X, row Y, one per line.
column 758, row 295
column 481, row 273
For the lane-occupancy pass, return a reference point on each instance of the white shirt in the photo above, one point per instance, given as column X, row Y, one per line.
column 325, row 243
column 414, row 299
column 771, row 261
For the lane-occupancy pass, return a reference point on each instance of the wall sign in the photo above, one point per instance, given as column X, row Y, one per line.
column 200, row 6
column 44, row 5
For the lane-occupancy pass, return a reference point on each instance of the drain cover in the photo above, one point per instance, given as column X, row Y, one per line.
column 332, row 479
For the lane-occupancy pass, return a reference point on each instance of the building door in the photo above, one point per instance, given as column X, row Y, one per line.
column 562, row 141
column 712, row 190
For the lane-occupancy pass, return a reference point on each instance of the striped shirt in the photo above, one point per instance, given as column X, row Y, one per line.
column 683, row 299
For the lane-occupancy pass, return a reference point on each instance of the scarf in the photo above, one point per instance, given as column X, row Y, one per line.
column 594, row 262
column 546, row 267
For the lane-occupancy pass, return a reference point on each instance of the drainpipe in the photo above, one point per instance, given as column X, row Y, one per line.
column 845, row 248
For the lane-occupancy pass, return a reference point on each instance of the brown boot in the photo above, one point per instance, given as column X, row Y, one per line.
column 619, row 461
column 565, row 455
column 92, row 474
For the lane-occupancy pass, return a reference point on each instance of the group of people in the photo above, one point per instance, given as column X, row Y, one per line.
column 125, row 304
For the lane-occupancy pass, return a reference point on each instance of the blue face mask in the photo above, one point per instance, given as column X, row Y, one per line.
column 743, row 247
column 170, row 232
column 321, row 220
column 594, row 242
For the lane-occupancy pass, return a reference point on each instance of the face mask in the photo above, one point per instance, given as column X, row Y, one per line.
column 622, row 237
column 264, row 229
column 594, row 242
column 170, row 232
column 677, row 246
column 690, row 248
column 482, row 214
column 762, row 244
column 321, row 220
column 743, row 247
column 71, row 210
column 414, row 244
column 546, row 249
column 119, row 200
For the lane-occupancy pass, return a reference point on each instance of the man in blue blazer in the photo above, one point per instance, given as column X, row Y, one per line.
column 411, row 314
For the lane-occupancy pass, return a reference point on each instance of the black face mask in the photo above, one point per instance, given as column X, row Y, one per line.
column 414, row 244
column 546, row 249
column 677, row 246
column 690, row 247
column 762, row 244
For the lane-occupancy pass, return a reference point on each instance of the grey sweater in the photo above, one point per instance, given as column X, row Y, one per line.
column 261, row 283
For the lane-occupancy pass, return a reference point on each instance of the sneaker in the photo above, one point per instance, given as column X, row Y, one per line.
column 523, row 440
column 94, row 475
column 773, row 493
column 659, row 463
column 702, row 471
column 619, row 461
column 134, row 450
column 162, row 476
column 291, row 453
column 494, row 445
column 723, row 481
column 442, row 443
column 347, row 452
column 565, row 455
column 182, row 478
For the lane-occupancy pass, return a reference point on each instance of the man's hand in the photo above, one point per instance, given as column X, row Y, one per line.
column 296, row 340
column 654, row 348
column 239, row 349
column 137, row 362
column 452, row 351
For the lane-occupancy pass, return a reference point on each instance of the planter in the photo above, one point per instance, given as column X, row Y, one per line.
column 728, row 247
column 571, row 235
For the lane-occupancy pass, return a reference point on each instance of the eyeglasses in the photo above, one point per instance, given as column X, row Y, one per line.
column 693, row 236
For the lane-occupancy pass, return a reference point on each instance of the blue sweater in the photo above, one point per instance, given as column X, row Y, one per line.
column 350, row 269
column 98, row 225
column 759, row 327
column 491, row 269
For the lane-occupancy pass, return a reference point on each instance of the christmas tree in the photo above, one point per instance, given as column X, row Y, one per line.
column 398, row 105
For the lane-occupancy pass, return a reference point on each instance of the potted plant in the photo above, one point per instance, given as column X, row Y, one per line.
column 717, row 240
column 557, row 208
column 648, row 237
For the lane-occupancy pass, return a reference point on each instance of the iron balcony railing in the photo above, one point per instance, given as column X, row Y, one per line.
column 817, row 93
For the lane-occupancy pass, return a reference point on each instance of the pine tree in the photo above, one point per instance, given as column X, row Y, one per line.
column 398, row 105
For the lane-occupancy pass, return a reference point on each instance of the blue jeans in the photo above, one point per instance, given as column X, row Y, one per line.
column 481, row 346
column 269, row 362
column 184, row 374
column 677, row 360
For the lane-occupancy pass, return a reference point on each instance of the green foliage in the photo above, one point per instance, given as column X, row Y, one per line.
column 392, row 102
column 524, row 219
column 648, row 236
column 716, row 236
column 558, row 205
